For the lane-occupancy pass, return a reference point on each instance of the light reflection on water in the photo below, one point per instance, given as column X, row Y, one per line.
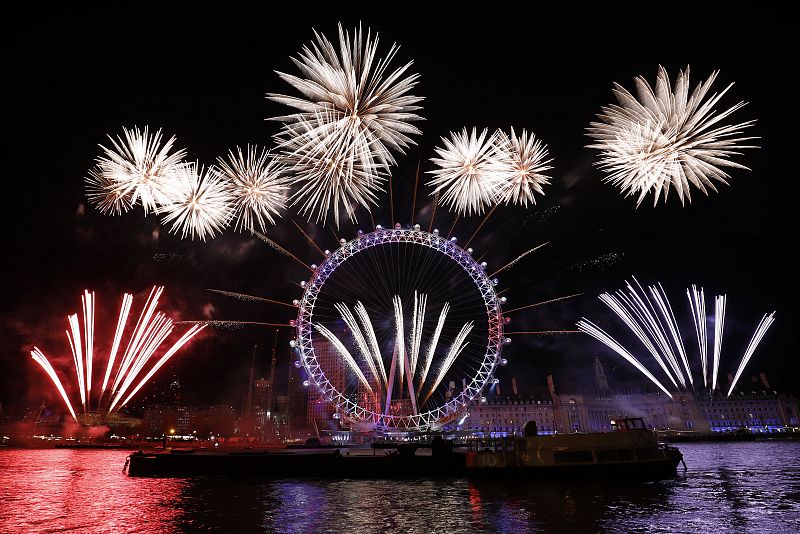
column 737, row 487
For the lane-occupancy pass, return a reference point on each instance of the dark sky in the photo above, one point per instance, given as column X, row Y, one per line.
column 76, row 75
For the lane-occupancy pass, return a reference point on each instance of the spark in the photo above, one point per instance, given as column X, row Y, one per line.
column 550, row 301
column 257, row 184
column 250, row 298
column 275, row 246
column 666, row 138
column 761, row 329
column 230, row 325
column 308, row 238
column 545, row 332
column 529, row 161
column 517, row 259
column 134, row 169
column 472, row 170
column 198, row 203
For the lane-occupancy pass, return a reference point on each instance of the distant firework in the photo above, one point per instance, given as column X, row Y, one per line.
column 649, row 315
column 666, row 138
column 122, row 378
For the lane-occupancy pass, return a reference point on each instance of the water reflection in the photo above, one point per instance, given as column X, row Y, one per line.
column 753, row 487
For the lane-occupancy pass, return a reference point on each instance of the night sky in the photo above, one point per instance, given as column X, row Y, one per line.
column 74, row 76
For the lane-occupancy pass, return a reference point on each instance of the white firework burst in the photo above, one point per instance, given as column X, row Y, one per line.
column 257, row 184
column 529, row 159
column 106, row 194
column 136, row 168
column 667, row 138
column 355, row 90
column 472, row 170
column 198, row 202
column 333, row 170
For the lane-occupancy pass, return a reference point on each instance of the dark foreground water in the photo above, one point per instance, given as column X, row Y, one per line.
column 734, row 487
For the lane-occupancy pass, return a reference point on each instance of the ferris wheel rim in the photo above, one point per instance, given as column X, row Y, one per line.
column 435, row 417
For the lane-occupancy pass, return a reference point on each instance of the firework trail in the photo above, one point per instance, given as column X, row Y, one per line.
column 667, row 138
column 417, row 322
column 194, row 330
column 697, row 303
column 229, row 325
column 151, row 330
column 455, row 349
column 365, row 340
column 250, row 298
column 361, row 341
column 550, row 301
column 366, row 325
column 761, row 329
column 275, row 246
column 41, row 359
column 346, row 356
column 517, row 259
column 432, row 346
column 654, row 323
column 400, row 342
column 584, row 325
column 719, row 326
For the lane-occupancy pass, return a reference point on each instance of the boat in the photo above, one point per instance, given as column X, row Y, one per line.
column 403, row 462
column 630, row 451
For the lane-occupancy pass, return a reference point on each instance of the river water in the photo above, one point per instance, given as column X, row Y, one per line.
column 728, row 487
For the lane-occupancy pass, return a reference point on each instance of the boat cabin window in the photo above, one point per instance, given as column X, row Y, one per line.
column 632, row 423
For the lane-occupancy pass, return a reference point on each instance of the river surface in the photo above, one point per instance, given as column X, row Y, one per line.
column 728, row 487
